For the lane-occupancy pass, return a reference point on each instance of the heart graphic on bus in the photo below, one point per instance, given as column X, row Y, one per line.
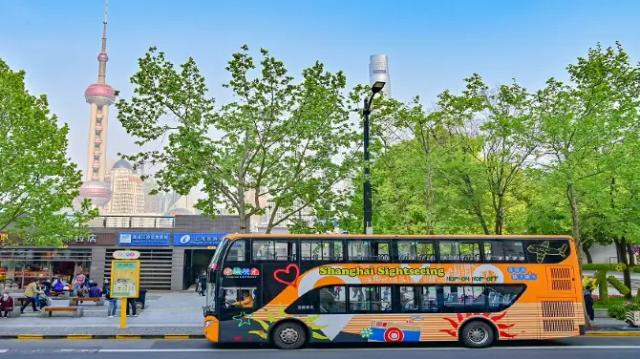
column 288, row 275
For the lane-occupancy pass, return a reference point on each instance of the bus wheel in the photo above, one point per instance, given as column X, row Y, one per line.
column 289, row 335
column 477, row 334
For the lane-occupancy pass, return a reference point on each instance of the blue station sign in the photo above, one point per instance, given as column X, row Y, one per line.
column 143, row 239
column 197, row 239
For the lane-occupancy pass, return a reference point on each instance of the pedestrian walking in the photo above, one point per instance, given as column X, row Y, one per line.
column 588, row 302
column 113, row 302
column 6, row 304
column 31, row 293
column 202, row 283
column 131, row 307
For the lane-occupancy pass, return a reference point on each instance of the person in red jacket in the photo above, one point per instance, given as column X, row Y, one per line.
column 6, row 304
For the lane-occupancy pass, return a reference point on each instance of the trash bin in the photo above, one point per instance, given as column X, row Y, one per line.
column 142, row 297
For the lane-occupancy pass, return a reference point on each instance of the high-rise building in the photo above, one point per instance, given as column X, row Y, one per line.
column 127, row 190
column 99, row 96
column 379, row 71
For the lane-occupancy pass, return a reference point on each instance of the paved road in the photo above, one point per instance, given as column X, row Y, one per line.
column 578, row 348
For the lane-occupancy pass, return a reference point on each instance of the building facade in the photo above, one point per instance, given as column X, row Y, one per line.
column 127, row 190
column 174, row 251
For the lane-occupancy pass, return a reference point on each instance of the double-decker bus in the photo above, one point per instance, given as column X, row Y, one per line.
column 290, row 290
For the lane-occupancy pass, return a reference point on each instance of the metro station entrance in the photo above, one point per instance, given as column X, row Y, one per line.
column 196, row 261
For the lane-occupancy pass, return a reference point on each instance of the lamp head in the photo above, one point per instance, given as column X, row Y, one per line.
column 377, row 86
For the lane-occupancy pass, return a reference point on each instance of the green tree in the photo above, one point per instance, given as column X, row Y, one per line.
column 281, row 144
column 581, row 122
column 37, row 181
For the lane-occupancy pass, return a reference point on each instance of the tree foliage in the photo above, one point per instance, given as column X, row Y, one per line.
column 562, row 159
column 37, row 181
column 281, row 145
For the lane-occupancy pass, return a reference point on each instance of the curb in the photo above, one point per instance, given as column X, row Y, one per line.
column 114, row 336
column 613, row 334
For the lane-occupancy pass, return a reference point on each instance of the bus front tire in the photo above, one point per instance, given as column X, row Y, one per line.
column 289, row 335
column 477, row 334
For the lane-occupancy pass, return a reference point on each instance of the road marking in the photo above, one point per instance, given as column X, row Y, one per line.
column 30, row 337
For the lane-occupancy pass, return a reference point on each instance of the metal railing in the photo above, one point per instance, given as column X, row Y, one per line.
column 115, row 221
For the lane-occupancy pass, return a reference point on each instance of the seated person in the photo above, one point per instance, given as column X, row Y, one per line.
column 94, row 291
column 246, row 301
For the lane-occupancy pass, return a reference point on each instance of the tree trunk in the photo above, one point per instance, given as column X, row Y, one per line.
column 476, row 207
column 572, row 196
column 429, row 200
column 585, row 249
column 500, row 214
column 631, row 254
column 575, row 231
column 627, row 270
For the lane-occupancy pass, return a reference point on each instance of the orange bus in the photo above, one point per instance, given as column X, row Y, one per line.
column 290, row 290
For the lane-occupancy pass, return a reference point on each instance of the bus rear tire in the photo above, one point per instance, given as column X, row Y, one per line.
column 477, row 334
column 289, row 335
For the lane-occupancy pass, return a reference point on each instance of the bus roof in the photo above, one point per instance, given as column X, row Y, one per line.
column 236, row 236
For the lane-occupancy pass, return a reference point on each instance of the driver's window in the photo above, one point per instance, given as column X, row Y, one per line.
column 239, row 298
column 238, row 251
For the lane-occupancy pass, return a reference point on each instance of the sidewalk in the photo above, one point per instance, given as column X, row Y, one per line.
column 166, row 313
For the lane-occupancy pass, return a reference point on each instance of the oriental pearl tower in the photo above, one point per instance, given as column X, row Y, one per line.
column 99, row 96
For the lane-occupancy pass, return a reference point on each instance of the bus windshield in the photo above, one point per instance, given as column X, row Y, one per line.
column 210, row 305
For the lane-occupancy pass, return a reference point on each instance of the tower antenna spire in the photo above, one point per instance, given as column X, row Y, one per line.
column 102, row 57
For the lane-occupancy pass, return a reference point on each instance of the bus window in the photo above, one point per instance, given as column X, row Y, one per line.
column 263, row 250
column 449, row 251
column 504, row 251
column 239, row 298
column 237, row 252
column 282, row 250
column 370, row 299
column 429, row 300
column 416, row 251
column 501, row 297
column 311, row 250
column 326, row 250
column 381, row 251
column 359, row 250
column 469, row 251
column 332, row 250
column 333, row 299
column 409, row 299
column 463, row 298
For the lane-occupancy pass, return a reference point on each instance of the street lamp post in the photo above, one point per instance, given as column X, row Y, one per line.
column 368, row 213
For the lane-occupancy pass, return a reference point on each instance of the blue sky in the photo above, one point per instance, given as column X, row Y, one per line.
column 432, row 45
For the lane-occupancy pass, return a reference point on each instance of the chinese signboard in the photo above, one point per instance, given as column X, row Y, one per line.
column 197, row 239
column 125, row 278
column 143, row 239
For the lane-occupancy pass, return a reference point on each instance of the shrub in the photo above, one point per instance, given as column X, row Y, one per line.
column 603, row 290
column 617, row 284
column 614, row 267
column 635, row 269
column 617, row 311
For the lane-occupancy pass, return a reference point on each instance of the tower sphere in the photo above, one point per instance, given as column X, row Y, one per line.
column 100, row 94
column 98, row 192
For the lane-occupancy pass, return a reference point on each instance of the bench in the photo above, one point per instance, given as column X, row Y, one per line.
column 78, row 300
column 76, row 311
